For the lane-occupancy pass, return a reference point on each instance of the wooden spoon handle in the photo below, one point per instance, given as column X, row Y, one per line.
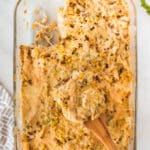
column 98, row 128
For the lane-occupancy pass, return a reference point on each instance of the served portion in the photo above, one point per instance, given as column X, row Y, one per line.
column 78, row 70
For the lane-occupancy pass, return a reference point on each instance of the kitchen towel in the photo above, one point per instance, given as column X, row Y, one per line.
column 6, row 120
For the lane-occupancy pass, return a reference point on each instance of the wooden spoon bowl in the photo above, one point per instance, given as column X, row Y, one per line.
column 99, row 129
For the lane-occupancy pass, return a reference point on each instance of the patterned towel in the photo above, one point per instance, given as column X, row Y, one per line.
column 6, row 120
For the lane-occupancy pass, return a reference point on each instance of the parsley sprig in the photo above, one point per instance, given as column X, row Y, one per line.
column 145, row 5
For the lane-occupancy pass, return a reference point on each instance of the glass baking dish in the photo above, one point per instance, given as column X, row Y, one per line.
column 23, row 34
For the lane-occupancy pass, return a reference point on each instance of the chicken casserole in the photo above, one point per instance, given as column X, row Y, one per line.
column 83, row 74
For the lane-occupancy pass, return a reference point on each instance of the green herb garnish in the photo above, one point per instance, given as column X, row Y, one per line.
column 145, row 5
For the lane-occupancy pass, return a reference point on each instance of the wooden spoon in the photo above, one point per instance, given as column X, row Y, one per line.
column 99, row 128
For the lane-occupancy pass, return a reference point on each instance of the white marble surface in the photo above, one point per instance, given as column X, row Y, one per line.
column 6, row 43
column 143, row 28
